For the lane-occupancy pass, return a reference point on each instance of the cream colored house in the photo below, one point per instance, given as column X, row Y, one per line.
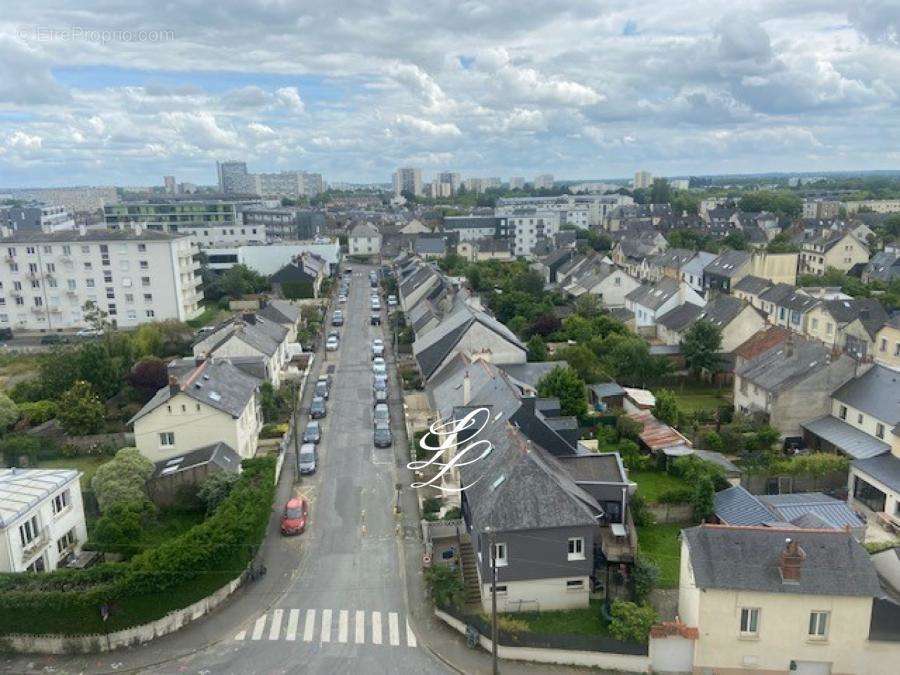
column 887, row 344
column 772, row 600
column 847, row 324
column 250, row 335
column 736, row 320
column 840, row 251
column 215, row 402
column 364, row 240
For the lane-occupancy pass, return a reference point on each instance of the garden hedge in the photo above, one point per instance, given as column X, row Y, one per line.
column 171, row 576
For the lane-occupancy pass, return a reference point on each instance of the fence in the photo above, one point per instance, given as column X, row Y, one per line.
column 761, row 484
column 672, row 513
column 52, row 430
column 442, row 529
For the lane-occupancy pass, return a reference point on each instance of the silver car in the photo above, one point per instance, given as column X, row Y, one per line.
column 382, row 414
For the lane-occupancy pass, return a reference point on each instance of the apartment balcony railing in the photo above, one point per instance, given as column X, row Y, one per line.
column 36, row 545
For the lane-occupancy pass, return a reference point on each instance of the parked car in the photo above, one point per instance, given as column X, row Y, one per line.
column 378, row 366
column 326, row 380
column 337, row 319
column 317, row 408
column 294, row 516
column 376, row 305
column 382, row 413
column 392, row 301
column 332, row 344
column 335, row 334
column 377, row 347
column 342, row 298
column 382, row 435
column 313, row 432
column 89, row 332
column 380, row 396
column 375, row 319
column 54, row 339
column 6, row 334
column 380, row 382
column 308, row 457
column 321, row 389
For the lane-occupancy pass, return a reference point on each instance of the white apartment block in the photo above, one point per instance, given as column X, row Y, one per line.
column 642, row 180
column 269, row 258
column 530, row 226
column 41, row 519
column 543, row 181
column 408, row 179
column 136, row 276
column 571, row 206
column 876, row 205
column 516, row 182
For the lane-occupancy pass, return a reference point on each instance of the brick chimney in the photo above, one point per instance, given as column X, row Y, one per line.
column 791, row 562
column 174, row 386
column 250, row 318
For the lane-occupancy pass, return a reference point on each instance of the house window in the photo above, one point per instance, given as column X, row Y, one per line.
column 28, row 531
column 883, row 345
column 818, row 625
column 576, row 548
column 815, row 324
column 843, row 412
column 61, row 502
column 65, row 541
column 37, row 566
column 859, row 418
column 868, row 494
column 501, row 590
column 167, row 439
column 500, row 559
column 879, row 430
column 575, row 585
column 829, row 328
column 749, row 620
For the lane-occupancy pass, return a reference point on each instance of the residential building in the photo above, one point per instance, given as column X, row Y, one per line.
column 133, row 275
column 248, row 335
column 642, row 180
column 737, row 321
column 680, row 183
column 876, row 205
column 750, row 288
column 596, row 206
column 233, row 178
column 821, row 208
column 668, row 264
column 418, row 283
column 788, row 307
column 783, row 600
column 266, row 259
column 530, row 227
column 791, row 383
column 41, row 519
column 471, row 228
column 884, row 267
column 543, row 181
column 649, row 302
column 850, row 325
column 171, row 477
column 806, row 510
column 486, row 248
column 731, row 266
column 283, row 313
column 517, row 183
column 300, row 278
column 74, row 199
column 609, row 283
column 287, row 184
column 364, row 240
column 430, row 247
column 887, row 343
column 282, row 224
column 170, row 185
column 408, row 179
column 840, row 250
column 37, row 218
column 215, row 402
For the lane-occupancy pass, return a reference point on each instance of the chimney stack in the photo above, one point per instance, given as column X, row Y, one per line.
column 174, row 387
column 789, row 346
column 250, row 318
column 467, row 389
column 791, row 562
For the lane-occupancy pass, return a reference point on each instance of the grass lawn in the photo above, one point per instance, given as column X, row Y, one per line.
column 87, row 465
column 651, row 484
column 587, row 621
column 210, row 314
column 17, row 367
column 170, row 523
column 693, row 395
column 660, row 544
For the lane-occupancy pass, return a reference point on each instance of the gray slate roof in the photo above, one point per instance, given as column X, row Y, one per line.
column 603, row 467
column 528, row 373
column 519, row 486
column 876, row 393
column 221, row 454
column 364, row 230
column 752, row 284
column 852, row 441
column 653, row 297
column 679, row 318
column 280, row 311
column 728, row 263
column 884, row 468
column 746, row 559
column 216, row 383
column 90, row 236
column 775, row 371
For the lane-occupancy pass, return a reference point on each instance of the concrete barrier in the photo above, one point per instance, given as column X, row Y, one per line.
column 627, row 663
column 129, row 637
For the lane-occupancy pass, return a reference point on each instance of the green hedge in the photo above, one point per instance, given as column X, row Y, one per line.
column 175, row 574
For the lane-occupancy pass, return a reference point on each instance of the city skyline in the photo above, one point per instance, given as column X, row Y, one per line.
column 673, row 90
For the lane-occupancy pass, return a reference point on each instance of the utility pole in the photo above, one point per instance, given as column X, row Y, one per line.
column 496, row 670
column 295, row 420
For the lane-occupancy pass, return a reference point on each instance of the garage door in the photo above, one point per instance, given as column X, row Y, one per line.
column 812, row 668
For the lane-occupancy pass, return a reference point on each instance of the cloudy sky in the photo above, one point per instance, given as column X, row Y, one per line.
column 124, row 91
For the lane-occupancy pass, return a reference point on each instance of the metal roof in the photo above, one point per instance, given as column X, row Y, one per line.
column 883, row 468
column 851, row 441
column 833, row 512
column 23, row 489
column 736, row 506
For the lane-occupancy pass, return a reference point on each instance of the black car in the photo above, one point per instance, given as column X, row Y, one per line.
column 317, row 408
column 375, row 319
column 53, row 339
column 382, row 435
column 322, row 389
column 312, row 433
column 6, row 334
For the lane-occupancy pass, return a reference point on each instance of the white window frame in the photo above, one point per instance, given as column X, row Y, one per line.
column 501, row 560
column 749, row 622
column 61, row 502
column 167, row 439
column 576, row 548
column 29, row 530
column 818, row 625
column 575, row 585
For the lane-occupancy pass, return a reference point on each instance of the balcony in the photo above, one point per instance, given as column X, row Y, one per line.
column 36, row 545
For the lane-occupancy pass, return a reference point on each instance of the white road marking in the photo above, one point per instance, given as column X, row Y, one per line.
column 410, row 636
column 394, row 628
column 343, row 625
column 293, row 620
column 376, row 628
column 309, row 625
column 241, row 635
column 326, row 626
column 258, row 628
column 360, row 627
column 275, row 628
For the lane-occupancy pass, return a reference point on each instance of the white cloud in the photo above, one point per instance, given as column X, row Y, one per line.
column 19, row 140
column 289, row 97
column 421, row 126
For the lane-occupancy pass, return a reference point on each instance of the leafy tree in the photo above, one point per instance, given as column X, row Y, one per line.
column 545, row 324
column 445, row 585
column 713, row 441
column 148, row 375
column 122, row 479
column 630, row 359
column 702, row 498
column 700, row 347
column 15, row 446
column 58, row 371
column 644, row 578
column 215, row 488
column 272, row 402
column 736, row 240
column 660, row 191
column 683, row 201
column 666, row 408
column 587, row 306
column 584, row 362
column 518, row 324
column 81, row 411
column 628, row 428
column 565, row 384
column 99, row 369
column 781, row 243
column 123, row 522
column 640, row 514
column 240, row 280
column 9, row 411
column 783, row 203
column 631, row 622
column 38, row 412
column 537, row 349
column 95, row 317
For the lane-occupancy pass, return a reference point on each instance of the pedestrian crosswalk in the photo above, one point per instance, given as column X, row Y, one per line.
column 343, row 626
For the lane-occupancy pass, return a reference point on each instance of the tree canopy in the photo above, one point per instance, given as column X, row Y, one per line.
column 700, row 347
column 563, row 383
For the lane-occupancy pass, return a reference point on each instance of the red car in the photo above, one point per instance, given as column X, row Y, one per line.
column 293, row 520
